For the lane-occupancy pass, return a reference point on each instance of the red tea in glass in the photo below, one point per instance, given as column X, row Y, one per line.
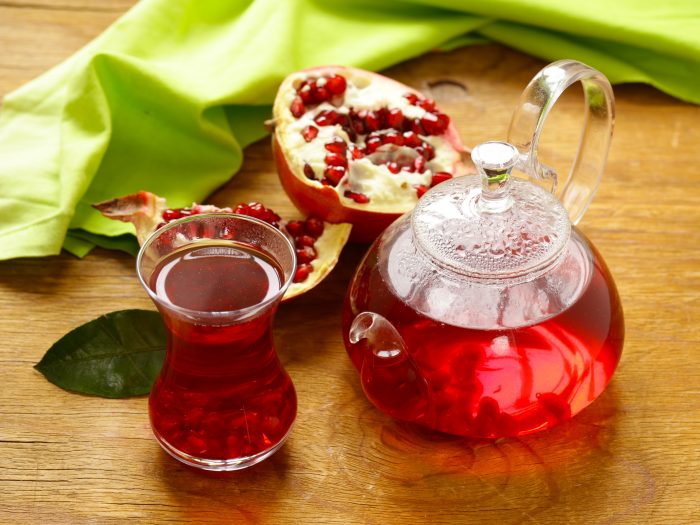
column 222, row 400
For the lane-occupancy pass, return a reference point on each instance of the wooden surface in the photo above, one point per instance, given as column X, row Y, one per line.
column 631, row 457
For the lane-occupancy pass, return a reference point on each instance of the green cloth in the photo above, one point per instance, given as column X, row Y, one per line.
column 168, row 96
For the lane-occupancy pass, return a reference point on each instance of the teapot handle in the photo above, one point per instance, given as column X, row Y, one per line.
column 577, row 190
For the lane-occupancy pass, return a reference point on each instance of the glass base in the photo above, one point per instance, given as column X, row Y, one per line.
column 219, row 465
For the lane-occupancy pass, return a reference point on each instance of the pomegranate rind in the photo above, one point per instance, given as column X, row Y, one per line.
column 145, row 211
column 311, row 197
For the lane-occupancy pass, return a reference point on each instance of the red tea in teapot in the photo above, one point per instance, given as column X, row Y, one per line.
column 485, row 382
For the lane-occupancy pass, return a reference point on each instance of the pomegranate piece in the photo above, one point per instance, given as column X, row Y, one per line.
column 305, row 93
column 420, row 189
column 326, row 118
column 395, row 119
column 295, row 228
column 297, row 108
column 440, row 176
column 434, row 123
column 314, row 227
column 309, row 133
column 334, row 173
column 305, row 254
column 419, row 164
column 336, row 84
column 374, row 122
column 305, row 240
column 322, row 95
column 317, row 244
column 337, row 145
column 426, row 104
column 333, row 159
column 359, row 198
column 309, row 172
column 302, row 273
column 412, row 98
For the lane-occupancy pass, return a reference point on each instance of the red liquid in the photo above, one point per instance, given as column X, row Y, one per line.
column 489, row 383
column 222, row 392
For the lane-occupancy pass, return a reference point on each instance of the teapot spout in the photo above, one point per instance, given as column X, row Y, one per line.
column 390, row 378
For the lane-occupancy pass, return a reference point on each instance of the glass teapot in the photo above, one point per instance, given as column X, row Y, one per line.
column 485, row 312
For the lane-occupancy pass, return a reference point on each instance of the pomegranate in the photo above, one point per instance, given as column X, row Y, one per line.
column 354, row 146
column 318, row 244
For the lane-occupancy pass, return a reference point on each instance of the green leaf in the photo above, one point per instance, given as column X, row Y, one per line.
column 116, row 355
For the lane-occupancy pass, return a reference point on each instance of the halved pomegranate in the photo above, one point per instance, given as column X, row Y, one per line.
column 354, row 146
column 318, row 244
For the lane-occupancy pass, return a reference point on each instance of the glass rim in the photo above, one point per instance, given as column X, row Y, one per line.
column 220, row 314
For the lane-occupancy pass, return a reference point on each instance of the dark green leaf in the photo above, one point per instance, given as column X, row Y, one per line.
column 116, row 355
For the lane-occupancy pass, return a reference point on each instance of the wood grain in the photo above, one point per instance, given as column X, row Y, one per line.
column 632, row 457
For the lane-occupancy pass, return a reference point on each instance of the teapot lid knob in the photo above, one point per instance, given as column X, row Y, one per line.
column 494, row 162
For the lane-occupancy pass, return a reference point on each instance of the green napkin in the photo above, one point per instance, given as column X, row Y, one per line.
column 167, row 97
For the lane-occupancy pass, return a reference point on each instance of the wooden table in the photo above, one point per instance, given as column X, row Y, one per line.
column 631, row 457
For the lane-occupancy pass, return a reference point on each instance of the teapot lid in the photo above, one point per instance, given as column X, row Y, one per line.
column 491, row 226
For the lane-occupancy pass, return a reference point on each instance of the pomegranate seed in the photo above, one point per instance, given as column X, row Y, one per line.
column 171, row 215
column 333, row 159
column 419, row 164
column 420, row 189
column 185, row 212
column 382, row 115
column 257, row 210
column 417, row 128
column 427, row 104
column 309, row 133
column 295, row 228
column 297, row 108
column 302, row 273
column 435, row 123
column 326, row 118
column 359, row 198
column 314, row 227
column 427, row 151
column 309, row 172
column 373, row 143
column 357, row 123
column 392, row 137
column 394, row 119
column 410, row 168
column 336, row 84
column 412, row 98
column 440, row 176
column 411, row 140
column 322, row 94
column 356, row 152
column 305, row 254
column 334, row 174
column 336, row 145
column 393, row 167
column 305, row 93
column 343, row 120
column 160, row 225
column 372, row 121
column 305, row 240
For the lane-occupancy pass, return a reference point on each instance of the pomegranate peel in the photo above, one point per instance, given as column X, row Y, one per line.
column 321, row 242
column 352, row 146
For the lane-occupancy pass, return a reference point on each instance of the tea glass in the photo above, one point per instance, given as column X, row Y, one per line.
column 222, row 400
